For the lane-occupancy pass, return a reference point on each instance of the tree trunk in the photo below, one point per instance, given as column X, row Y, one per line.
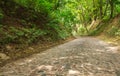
column 95, row 11
column 111, row 7
column 101, row 8
column 107, row 2
column 57, row 4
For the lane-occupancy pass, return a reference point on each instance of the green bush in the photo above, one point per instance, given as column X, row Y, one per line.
column 1, row 15
column 22, row 35
column 114, row 31
column 56, row 31
column 43, row 6
column 60, row 21
column 117, row 33
column 82, row 30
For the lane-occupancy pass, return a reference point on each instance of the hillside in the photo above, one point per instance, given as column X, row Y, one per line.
column 111, row 33
column 23, row 29
column 113, row 23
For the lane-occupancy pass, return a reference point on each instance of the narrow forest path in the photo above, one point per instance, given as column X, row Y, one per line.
column 85, row 56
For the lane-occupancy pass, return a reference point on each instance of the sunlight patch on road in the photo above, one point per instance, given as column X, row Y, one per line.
column 73, row 73
column 67, row 57
column 102, row 43
column 113, row 49
column 99, row 50
column 48, row 67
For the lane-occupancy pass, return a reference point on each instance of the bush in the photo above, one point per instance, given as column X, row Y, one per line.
column 117, row 33
column 82, row 30
column 1, row 15
column 56, row 31
column 62, row 22
column 114, row 31
column 21, row 35
column 42, row 6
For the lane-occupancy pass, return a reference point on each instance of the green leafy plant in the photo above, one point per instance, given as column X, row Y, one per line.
column 114, row 31
column 117, row 33
column 1, row 15
column 21, row 35
column 82, row 30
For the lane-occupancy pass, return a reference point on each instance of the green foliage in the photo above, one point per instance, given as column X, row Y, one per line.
column 1, row 15
column 114, row 31
column 58, row 18
column 56, row 28
column 118, row 8
column 64, row 15
column 82, row 30
column 117, row 33
column 21, row 35
column 98, row 30
column 42, row 6
column 56, row 32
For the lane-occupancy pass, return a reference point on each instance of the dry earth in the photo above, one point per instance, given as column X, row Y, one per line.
column 85, row 56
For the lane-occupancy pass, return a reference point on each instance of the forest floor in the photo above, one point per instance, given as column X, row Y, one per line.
column 85, row 56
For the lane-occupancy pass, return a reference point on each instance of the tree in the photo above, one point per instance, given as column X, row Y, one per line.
column 101, row 8
column 106, row 7
column 111, row 8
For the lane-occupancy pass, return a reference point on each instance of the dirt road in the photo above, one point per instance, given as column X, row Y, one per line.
column 85, row 56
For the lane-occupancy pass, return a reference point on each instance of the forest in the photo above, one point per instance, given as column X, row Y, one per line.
column 24, row 23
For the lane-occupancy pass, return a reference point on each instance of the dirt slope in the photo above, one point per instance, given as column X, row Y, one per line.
column 111, row 32
column 115, row 22
column 81, row 57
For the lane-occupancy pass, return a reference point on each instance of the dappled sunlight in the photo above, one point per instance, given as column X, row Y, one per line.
column 43, row 67
column 73, row 73
column 67, row 57
column 113, row 49
column 100, row 50
column 102, row 43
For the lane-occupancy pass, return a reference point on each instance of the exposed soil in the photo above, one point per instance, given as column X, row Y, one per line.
column 85, row 56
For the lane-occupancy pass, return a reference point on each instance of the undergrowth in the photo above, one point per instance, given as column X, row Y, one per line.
column 114, row 31
column 98, row 30
column 21, row 35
